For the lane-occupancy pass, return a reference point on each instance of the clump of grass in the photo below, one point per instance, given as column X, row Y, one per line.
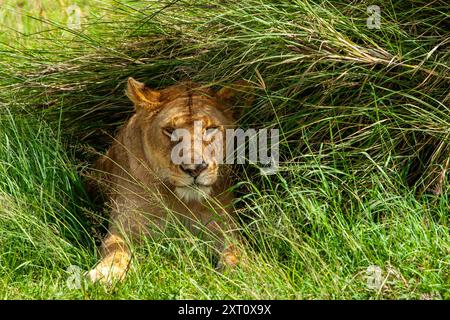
column 366, row 96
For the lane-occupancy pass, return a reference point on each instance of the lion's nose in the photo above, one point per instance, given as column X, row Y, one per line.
column 194, row 170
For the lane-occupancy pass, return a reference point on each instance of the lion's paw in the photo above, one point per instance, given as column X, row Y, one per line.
column 229, row 258
column 106, row 274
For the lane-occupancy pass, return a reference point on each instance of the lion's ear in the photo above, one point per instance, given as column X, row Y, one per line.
column 141, row 95
column 238, row 94
column 238, row 89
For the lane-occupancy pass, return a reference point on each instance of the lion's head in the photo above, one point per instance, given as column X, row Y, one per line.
column 181, row 128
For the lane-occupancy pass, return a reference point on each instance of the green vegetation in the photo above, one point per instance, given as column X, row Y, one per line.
column 365, row 144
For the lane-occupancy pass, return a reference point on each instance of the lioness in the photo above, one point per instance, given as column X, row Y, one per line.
column 142, row 182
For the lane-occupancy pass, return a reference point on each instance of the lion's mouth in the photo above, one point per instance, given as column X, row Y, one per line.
column 191, row 185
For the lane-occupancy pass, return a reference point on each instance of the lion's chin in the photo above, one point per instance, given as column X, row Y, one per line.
column 193, row 192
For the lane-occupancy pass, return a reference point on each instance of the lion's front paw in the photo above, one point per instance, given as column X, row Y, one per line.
column 107, row 273
column 229, row 258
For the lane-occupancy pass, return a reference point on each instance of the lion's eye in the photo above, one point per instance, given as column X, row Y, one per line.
column 168, row 131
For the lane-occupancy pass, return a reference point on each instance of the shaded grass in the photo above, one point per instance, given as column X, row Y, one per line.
column 43, row 203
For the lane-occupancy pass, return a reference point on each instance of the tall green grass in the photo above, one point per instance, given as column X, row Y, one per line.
column 365, row 129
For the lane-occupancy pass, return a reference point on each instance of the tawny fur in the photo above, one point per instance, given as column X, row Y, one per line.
column 142, row 184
